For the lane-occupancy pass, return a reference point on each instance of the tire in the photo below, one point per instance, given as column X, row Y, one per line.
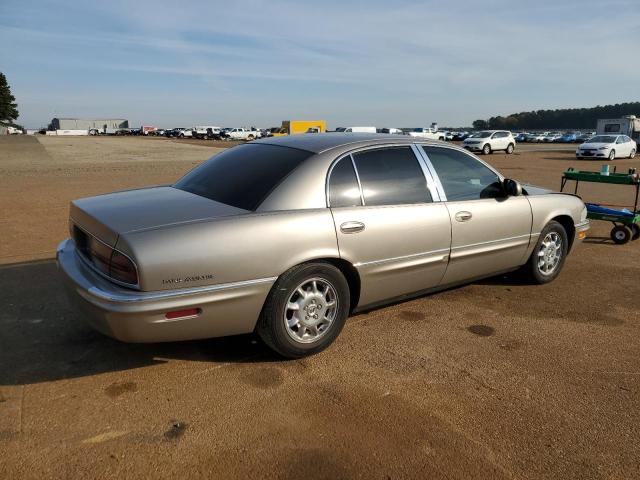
column 621, row 234
column 635, row 231
column 486, row 149
column 633, row 153
column 277, row 324
column 510, row 149
column 250, row 137
column 612, row 155
column 537, row 267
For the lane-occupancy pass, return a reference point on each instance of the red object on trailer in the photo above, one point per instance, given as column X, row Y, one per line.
column 147, row 129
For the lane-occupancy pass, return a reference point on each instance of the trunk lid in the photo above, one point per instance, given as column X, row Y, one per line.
column 110, row 215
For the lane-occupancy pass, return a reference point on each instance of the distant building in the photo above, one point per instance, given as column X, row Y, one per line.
column 102, row 124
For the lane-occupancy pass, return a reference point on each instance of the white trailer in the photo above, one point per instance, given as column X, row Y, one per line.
column 628, row 125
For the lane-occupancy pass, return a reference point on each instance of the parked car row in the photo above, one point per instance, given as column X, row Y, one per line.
column 554, row 137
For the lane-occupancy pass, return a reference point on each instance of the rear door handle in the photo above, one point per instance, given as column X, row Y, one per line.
column 352, row 227
column 463, row 216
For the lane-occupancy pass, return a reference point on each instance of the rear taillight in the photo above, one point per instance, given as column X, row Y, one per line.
column 105, row 259
column 123, row 269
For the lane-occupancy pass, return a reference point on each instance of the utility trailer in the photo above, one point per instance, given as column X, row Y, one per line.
column 626, row 222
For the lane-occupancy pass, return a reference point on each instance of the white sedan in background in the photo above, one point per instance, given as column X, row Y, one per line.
column 608, row 146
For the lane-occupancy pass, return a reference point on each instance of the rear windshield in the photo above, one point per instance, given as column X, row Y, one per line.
column 242, row 176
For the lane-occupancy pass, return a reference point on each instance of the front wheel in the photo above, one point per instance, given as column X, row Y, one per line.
column 305, row 310
column 486, row 150
column 549, row 254
column 612, row 155
column 510, row 149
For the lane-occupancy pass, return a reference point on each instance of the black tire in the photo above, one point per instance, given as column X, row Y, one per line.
column 486, row 149
column 510, row 148
column 612, row 155
column 532, row 268
column 272, row 326
column 621, row 234
column 633, row 153
column 635, row 231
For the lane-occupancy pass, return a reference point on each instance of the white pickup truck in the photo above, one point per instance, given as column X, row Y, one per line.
column 431, row 133
column 14, row 131
column 244, row 134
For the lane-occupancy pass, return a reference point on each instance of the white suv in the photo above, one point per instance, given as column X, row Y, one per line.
column 488, row 141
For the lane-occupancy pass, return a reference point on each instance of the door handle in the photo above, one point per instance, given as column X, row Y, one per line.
column 463, row 216
column 352, row 227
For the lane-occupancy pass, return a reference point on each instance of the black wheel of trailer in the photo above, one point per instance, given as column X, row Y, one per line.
column 621, row 234
column 635, row 229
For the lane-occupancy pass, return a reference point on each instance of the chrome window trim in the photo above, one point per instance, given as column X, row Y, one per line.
column 328, row 180
column 425, row 173
column 102, row 274
column 353, row 164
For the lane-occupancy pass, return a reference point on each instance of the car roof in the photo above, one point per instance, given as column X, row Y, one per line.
column 323, row 142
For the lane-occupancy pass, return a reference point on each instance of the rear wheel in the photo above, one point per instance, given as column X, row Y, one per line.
column 549, row 254
column 510, row 149
column 621, row 234
column 612, row 155
column 633, row 153
column 486, row 150
column 635, row 230
column 305, row 310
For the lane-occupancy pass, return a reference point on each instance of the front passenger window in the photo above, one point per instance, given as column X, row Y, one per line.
column 462, row 176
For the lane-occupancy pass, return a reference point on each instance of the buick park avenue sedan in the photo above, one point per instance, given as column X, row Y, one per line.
column 287, row 236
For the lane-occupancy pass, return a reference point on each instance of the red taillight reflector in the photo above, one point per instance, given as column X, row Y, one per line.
column 189, row 312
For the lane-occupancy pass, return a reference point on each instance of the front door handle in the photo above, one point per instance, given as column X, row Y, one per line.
column 463, row 216
column 352, row 227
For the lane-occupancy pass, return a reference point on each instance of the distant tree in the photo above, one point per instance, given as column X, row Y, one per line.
column 8, row 105
column 560, row 118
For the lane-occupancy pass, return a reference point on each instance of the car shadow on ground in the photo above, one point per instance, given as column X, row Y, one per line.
column 44, row 339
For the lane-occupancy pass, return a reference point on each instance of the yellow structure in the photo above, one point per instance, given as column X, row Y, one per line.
column 294, row 127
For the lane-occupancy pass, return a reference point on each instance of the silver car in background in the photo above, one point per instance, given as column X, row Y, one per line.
column 287, row 236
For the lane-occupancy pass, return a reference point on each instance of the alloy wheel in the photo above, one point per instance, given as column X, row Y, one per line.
column 311, row 310
column 550, row 253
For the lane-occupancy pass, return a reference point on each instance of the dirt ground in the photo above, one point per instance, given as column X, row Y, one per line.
column 497, row 379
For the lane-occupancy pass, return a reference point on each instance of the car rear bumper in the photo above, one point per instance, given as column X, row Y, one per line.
column 134, row 316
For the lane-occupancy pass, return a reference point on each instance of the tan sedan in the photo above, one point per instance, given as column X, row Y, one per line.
column 287, row 236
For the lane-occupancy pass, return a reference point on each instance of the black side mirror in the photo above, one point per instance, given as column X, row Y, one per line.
column 512, row 188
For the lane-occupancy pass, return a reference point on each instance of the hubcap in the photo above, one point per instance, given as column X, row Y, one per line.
column 550, row 253
column 311, row 310
column 620, row 235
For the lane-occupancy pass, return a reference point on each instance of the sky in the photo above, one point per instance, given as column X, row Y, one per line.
column 256, row 63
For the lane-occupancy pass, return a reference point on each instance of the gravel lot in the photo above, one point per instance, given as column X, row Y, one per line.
column 497, row 379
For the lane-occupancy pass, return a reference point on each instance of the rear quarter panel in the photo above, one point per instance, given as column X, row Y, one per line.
column 232, row 249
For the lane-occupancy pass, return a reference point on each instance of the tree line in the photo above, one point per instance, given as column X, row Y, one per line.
column 8, row 106
column 562, row 118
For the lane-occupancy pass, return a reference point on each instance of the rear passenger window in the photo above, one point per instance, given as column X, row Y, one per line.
column 391, row 176
column 343, row 185
column 462, row 176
